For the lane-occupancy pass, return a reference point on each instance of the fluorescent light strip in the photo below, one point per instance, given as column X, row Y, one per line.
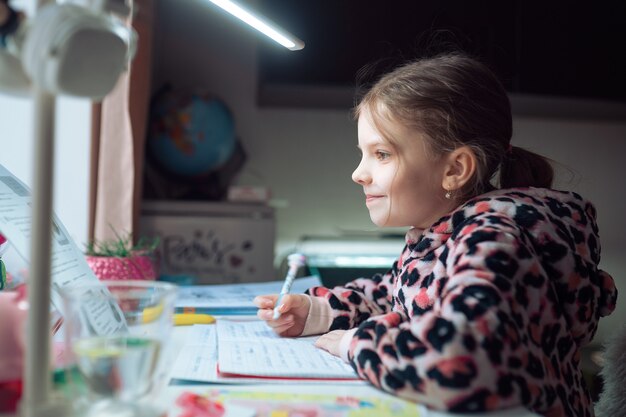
column 285, row 39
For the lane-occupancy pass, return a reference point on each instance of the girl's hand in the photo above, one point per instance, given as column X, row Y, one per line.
column 330, row 341
column 294, row 310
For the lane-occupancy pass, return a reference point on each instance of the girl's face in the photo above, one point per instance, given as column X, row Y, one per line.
column 402, row 184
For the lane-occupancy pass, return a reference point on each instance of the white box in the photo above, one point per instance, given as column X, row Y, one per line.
column 216, row 243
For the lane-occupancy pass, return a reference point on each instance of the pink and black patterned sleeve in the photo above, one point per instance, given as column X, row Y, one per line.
column 358, row 300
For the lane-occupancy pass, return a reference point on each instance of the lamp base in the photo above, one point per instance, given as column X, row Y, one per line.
column 56, row 406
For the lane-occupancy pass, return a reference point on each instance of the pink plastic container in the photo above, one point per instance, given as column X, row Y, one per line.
column 13, row 311
column 138, row 266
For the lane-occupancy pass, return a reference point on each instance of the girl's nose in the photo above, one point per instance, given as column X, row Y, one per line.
column 360, row 175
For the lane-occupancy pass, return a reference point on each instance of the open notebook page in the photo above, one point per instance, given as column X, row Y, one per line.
column 252, row 348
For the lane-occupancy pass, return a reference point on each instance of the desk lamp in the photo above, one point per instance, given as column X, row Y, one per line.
column 78, row 50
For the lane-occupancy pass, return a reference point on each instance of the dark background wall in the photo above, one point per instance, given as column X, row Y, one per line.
column 554, row 47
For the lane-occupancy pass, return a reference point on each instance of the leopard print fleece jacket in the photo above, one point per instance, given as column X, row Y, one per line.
column 486, row 310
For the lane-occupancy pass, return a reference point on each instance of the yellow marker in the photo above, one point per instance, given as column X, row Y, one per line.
column 189, row 319
column 279, row 413
column 151, row 314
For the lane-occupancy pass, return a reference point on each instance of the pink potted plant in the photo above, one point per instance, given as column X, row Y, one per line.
column 121, row 259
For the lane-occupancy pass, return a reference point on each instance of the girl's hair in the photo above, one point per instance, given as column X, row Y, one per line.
column 454, row 100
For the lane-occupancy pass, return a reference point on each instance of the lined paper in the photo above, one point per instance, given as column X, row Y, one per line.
column 197, row 361
column 252, row 348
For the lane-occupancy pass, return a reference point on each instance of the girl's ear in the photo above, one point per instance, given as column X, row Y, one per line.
column 459, row 168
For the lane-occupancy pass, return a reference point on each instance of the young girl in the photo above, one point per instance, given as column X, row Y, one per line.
column 496, row 290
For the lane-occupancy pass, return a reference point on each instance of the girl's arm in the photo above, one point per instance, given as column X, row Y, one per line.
column 323, row 309
column 351, row 304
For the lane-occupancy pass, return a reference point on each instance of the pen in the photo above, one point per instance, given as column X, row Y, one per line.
column 294, row 261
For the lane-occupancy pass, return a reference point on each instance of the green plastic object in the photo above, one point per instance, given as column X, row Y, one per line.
column 3, row 275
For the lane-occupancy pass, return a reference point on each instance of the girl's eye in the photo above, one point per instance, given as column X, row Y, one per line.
column 382, row 155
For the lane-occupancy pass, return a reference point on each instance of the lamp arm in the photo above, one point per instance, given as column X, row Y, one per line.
column 37, row 400
column 37, row 364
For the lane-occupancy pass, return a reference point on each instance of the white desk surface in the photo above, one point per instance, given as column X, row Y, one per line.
column 338, row 389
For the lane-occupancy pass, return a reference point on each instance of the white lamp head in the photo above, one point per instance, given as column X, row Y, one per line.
column 71, row 50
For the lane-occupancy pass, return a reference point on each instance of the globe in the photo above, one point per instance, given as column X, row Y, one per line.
column 190, row 135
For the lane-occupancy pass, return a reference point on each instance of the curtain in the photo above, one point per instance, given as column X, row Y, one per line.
column 119, row 126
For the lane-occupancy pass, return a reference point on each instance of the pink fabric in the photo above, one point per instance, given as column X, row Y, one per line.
column 487, row 310
column 13, row 313
column 114, row 200
column 124, row 113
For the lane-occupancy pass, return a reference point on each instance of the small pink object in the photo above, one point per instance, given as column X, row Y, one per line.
column 13, row 310
column 123, row 268
column 195, row 405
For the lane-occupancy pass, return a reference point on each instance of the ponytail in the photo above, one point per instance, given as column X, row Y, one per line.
column 522, row 168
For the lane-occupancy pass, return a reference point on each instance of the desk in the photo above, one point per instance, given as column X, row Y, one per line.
column 331, row 388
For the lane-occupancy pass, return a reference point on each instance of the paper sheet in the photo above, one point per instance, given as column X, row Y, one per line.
column 252, row 348
column 68, row 266
column 231, row 410
column 197, row 360
column 269, row 403
column 233, row 296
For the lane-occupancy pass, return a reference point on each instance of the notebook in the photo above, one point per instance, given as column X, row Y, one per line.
column 251, row 348
column 197, row 361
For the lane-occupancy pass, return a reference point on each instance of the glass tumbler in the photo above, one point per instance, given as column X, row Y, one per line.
column 116, row 335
